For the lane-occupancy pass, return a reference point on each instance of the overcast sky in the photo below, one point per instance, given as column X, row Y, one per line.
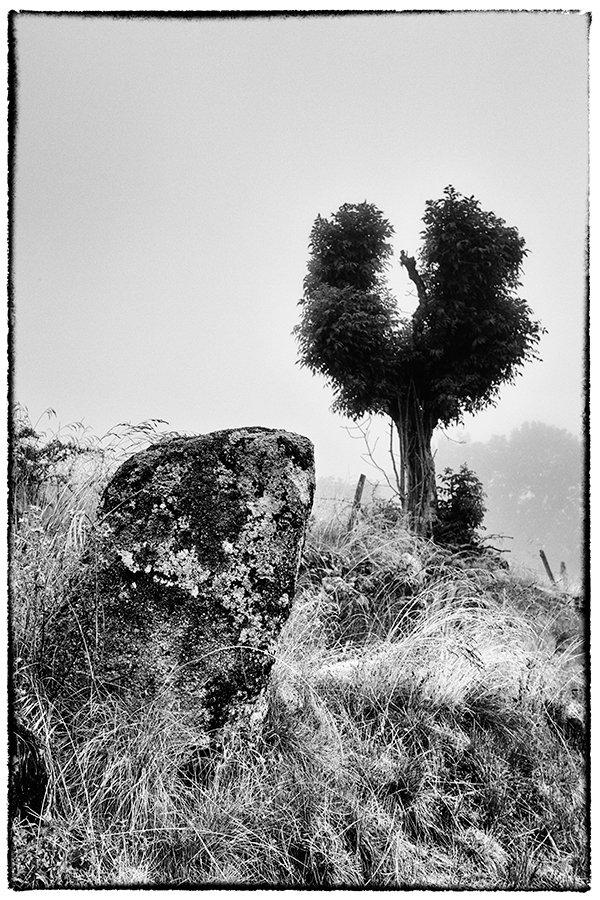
column 169, row 172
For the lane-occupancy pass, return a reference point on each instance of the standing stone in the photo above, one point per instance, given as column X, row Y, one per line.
column 191, row 574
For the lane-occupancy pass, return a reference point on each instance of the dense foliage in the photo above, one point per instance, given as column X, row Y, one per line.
column 350, row 250
column 472, row 333
column 460, row 508
column 350, row 326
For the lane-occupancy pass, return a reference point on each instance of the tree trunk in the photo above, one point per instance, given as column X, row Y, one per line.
column 415, row 430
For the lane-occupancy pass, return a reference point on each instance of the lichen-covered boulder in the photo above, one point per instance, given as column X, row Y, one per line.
column 191, row 573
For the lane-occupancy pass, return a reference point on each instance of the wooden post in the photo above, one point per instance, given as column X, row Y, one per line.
column 356, row 502
column 547, row 567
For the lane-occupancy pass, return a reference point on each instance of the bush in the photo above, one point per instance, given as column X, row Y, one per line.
column 460, row 508
column 37, row 465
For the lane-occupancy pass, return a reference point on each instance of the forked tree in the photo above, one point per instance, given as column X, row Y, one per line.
column 469, row 334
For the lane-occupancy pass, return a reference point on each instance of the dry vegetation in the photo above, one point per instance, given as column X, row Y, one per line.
column 424, row 726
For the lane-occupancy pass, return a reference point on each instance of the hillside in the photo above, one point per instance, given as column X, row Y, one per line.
column 424, row 726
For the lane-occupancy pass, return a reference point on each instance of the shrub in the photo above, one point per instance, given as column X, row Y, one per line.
column 460, row 508
column 38, row 466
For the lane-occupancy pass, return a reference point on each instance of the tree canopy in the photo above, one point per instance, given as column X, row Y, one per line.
column 472, row 333
column 469, row 335
column 350, row 324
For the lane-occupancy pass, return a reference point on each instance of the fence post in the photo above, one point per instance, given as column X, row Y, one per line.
column 547, row 567
column 356, row 502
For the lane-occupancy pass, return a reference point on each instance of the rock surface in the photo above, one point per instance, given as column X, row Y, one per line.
column 191, row 573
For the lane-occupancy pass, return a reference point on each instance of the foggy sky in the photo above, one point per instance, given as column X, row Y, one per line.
column 168, row 173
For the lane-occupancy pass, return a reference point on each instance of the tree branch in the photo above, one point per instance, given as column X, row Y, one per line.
column 411, row 267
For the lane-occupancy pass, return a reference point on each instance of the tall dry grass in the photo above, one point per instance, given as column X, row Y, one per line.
column 424, row 726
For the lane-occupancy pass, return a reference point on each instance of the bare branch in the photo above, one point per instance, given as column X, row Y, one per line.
column 411, row 267
column 369, row 456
